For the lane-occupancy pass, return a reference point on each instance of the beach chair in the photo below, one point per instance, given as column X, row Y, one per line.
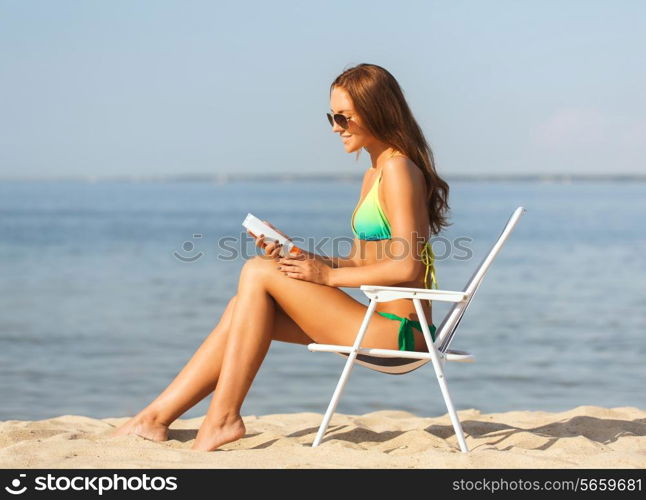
column 401, row 362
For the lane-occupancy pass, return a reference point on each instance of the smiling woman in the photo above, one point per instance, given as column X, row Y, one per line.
column 402, row 203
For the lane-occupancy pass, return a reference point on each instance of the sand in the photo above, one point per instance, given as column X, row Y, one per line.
column 584, row 437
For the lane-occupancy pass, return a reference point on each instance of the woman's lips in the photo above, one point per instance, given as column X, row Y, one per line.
column 345, row 138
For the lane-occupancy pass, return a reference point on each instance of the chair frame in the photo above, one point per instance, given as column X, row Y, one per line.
column 438, row 351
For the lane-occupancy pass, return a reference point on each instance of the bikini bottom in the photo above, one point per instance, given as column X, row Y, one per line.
column 406, row 335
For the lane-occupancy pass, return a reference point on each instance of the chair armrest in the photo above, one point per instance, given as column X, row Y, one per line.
column 388, row 293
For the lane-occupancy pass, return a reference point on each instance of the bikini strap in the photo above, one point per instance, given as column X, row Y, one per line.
column 428, row 258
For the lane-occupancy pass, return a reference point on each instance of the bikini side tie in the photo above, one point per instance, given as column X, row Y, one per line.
column 428, row 258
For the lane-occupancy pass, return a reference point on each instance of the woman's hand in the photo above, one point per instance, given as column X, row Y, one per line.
column 271, row 248
column 305, row 268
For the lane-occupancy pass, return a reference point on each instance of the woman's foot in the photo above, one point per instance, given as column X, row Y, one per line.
column 213, row 435
column 145, row 427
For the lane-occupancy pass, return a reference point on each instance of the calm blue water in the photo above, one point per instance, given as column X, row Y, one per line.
column 97, row 315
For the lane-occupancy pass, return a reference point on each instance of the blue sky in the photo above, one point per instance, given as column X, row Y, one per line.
column 148, row 88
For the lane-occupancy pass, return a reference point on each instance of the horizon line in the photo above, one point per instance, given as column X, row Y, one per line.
column 223, row 178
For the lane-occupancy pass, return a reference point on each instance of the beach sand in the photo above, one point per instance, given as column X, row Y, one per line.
column 584, row 437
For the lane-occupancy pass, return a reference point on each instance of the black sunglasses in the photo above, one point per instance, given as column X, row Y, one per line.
column 339, row 119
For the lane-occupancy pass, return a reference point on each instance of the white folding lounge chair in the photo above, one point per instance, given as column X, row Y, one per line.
column 400, row 362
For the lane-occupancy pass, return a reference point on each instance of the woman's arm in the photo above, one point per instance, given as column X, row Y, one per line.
column 403, row 188
column 272, row 249
column 336, row 262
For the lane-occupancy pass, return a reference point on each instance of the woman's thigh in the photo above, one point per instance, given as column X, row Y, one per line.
column 284, row 329
column 327, row 315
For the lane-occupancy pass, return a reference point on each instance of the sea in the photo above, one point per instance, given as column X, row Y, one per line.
column 108, row 287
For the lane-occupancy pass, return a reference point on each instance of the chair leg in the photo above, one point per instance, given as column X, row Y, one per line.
column 457, row 426
column 345, row 374
column 441, row 379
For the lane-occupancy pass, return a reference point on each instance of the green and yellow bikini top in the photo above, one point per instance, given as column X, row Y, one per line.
column 369, row 222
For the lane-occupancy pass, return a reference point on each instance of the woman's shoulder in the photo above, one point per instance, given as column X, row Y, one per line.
column 402, row 169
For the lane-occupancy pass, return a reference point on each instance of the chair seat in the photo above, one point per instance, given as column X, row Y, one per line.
column 389, row 360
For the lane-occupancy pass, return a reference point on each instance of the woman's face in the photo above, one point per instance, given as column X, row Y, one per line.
column 355, row 136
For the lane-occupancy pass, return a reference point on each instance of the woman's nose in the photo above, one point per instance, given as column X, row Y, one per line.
column 336, row 127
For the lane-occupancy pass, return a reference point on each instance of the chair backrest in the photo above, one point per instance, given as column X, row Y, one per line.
column 446, row 331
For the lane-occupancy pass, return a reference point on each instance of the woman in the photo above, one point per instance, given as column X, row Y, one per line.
column 403, row 202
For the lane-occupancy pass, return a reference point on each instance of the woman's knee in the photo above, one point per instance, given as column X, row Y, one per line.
column 257, row 268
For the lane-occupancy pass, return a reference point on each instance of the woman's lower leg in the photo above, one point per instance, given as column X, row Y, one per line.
column 194, row 382
column 247, row 346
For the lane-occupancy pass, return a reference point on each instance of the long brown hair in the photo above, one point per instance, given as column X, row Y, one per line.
column 380, row 102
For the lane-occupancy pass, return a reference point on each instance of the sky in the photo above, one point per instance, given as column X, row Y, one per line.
column 143, row 88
